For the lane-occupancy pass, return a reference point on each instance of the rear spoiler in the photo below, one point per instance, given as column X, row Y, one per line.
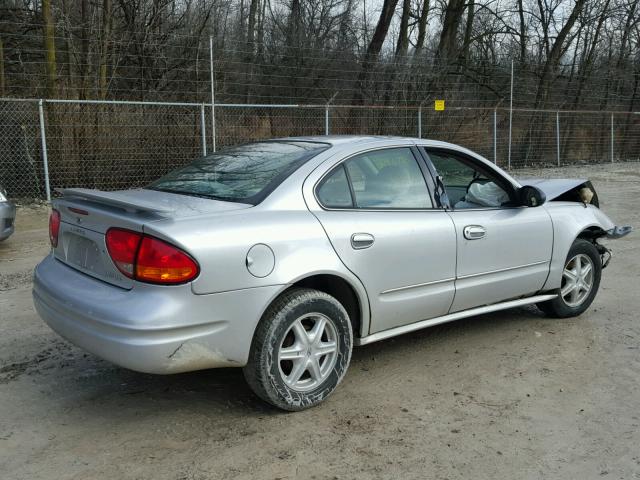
column 116, row 199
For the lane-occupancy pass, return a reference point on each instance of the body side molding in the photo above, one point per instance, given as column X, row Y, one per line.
column 393, row 332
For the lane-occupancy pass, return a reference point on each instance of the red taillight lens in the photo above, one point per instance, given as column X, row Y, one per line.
column 149, row 259
column 123, row 247
column 54, row 227
column 159, row 262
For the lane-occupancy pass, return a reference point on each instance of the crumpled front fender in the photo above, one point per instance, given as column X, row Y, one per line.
column 570, row 219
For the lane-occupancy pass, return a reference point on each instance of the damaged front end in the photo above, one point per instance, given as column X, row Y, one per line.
column 582, row 191
column 566, row 190
column 613, row 233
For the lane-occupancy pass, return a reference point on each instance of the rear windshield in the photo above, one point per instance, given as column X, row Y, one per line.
column 246, row 173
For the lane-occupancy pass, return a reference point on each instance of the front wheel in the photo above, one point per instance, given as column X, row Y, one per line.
column 300, row 351
column 580, row 282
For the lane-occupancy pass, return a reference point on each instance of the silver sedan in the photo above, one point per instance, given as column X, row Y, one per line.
column 280, row 256
column 7, row 216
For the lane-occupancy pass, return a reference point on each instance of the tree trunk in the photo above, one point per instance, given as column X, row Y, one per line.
column 468, row 31
column 523, row 33
column 104, row 52
column 556, row 51
column 263, row 16
column 84, row 49
column 49, row 47
column 452, row 17
column 373, row 50
column 422, row 27
column 251, row 25
column 294, row 24
column 403, row 37
column 631, row 20
column 251, row 48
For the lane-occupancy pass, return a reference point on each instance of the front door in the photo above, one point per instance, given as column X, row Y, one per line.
column 503, row 249
column 380, row 218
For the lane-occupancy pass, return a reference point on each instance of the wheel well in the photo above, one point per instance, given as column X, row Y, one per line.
column 592, row 233
column 339, row 289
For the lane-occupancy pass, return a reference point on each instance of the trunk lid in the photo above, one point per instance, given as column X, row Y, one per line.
column 86, row 215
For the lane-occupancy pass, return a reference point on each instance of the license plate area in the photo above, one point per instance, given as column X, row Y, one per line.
column 83, row 253
column 86, row 251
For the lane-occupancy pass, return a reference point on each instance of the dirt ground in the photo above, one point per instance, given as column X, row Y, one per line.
column 503, row 396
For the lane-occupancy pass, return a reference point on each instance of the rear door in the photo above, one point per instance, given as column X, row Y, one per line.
column 504, row 249
column 378, row 212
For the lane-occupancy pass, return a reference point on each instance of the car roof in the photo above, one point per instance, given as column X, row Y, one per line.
column 341, row 140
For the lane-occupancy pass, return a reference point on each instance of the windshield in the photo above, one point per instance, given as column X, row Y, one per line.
column 247, row 173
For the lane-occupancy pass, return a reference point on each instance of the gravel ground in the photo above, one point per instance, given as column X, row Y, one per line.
column 505, row 395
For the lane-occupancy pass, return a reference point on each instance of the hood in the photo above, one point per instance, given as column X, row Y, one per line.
column 555, row 187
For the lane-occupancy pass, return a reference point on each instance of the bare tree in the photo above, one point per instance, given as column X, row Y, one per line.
column 447, row 47
column 49, row 47
column 104, row 51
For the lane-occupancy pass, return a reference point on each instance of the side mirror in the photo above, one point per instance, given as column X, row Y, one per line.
column 531, row 196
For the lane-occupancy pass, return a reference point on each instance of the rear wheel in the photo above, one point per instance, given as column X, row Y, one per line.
column 580, row 282
column 300, row 351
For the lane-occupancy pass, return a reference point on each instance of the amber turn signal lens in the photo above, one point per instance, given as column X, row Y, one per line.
column 159, row 262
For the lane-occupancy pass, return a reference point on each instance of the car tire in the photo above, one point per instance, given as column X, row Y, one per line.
column 289, row 365
column 573, row 297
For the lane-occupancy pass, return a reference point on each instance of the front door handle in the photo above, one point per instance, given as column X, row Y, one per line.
column 361, row 240
column 474, row 232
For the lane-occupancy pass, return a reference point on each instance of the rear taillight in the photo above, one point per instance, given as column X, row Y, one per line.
column 123, row 247
column 159, row 262
column 54, row 227
column 148, row 259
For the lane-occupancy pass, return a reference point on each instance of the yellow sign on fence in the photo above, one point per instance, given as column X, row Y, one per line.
column 439, row 105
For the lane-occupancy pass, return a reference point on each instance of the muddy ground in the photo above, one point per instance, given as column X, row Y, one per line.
column 503, row 396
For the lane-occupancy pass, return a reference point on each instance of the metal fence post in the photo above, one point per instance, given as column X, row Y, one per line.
column 326, row 113
column 495, row 136
column 213, row 94
column 45, row 159
column 558, row 136
column 612, row 159
column 510, row 117
column 326, row 119
column 203, row 130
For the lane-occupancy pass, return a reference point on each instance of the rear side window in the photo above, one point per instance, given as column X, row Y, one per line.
column 247, row 173
column 334, row 190
column 381, row 179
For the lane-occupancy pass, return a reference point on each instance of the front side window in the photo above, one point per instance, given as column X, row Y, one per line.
column 246, row 173
column 467, row 186
column 381, row 179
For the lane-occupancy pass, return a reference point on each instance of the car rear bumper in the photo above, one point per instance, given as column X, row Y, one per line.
column 7, row 219
column 149, row 328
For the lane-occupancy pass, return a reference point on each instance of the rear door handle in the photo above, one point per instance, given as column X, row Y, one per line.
column 361, row 240
column 474, row 232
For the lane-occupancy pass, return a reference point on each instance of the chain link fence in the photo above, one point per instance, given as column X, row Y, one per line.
column 52, row 144
column 21, row 165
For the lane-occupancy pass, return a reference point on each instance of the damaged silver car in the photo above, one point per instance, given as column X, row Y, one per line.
column 281, row 256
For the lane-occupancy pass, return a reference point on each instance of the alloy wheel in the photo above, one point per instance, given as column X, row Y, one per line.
column 577, row 280
column 308, row 352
